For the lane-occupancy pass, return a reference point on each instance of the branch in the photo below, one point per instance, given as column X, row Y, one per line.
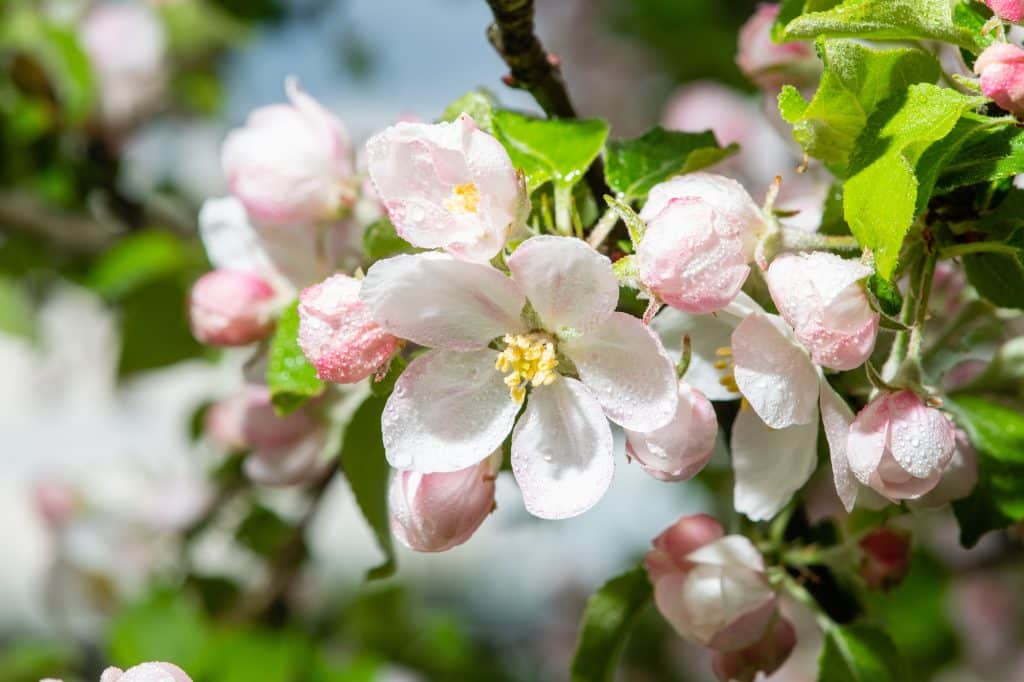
column 21, row 212
column 534, row 70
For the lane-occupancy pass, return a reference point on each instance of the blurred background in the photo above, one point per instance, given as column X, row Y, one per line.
column 111, row 119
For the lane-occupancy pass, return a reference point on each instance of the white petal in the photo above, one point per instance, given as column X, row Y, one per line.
column 731, row 550
column 441, row 302
column 562, row 451
column 229, row 238
column 448, row 411
column 837, row 416
column 571, row 286
column 770, row 464
column 625, row 366
column 707, row 334
column 774, row 372
column 865, row 444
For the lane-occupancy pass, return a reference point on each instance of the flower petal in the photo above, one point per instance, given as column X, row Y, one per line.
column 731, row 550
column 570, row 285
column 625, row 366
column 865, row 444
column 837, row 416
column 921, row 438
column 774, row 372
column 441, row 302
column 448, row 411
column 562, row 451
column 770, row 464
column 707, row 334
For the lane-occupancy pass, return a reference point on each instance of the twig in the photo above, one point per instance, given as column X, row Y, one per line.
column 21, row 212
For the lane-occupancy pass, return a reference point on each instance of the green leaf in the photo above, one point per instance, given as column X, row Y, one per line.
column 997, row 433
column 380, row 240
column 17, row 317
column 860, row 653
column 367, row 470
column 264, row 531
column 999, row 277
column 791, row 9
column 883, row 20
column 886, row 156
column 140, row 259
column 992, row 149
column 632, row 167
column 607, row 619
column 972, row 16
column 886, row 294
column 166, row 626
column 291, row 379
column 479, row 104
column 857, row 79
column 556, row 150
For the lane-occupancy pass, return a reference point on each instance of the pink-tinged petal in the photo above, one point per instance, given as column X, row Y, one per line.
column 774, row 373
column 770, row 464
column 837, row 416
column 290, row 464
column 1001, row 68
column 337, row 334
column 707, row 334
column 893, row 482
column 624, row 365
column 770, row 64
column 570, row 285
column 562, row 451
column 922, row 439
column 731, row 550
column 820, row 296
column 692, row 258
column 231, row 308
column 147, row 672
column 959, row 478
column 767, row 655
column 727, row 607
column 1010, row 10
column 441, row 302
column 447, row 412
column 672, row 545
column 681, row 448
column 866, row 443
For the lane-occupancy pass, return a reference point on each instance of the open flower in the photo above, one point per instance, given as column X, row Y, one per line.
column 551, row 330
column 146, row 672
column 448, row 185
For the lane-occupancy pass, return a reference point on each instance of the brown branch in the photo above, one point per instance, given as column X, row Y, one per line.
column 22, row 212
column 534, row 70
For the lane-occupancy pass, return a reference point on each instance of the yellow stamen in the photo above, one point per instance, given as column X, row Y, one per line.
column 722, row 364
column 465, row 198
column 724, row 352
column 727, row 366
column 528, row 360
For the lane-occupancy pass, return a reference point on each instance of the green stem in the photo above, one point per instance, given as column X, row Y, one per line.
column 958, row 250
column 912, row 363
column 798, row 240
column 563, row 209
column 603, row 228
column 901, row 343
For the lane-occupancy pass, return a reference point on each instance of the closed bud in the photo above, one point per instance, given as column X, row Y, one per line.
column 290, row 163
column 886, row 560
column 1010, row 10
column 766, row 655
column 899, row 446
column 769, row 64
column 1001, row 68
column 700, row 237
column 284, row 450
column 438, row 511
column 231, row 308
column 56, row 502
column 711, row 589
column 821, row 296
column 146, row 672
column 681, row 448
column 337, row 333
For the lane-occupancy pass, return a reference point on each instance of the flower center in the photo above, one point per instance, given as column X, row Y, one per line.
column 465, row 198
column 728, row 367
column 528, row 359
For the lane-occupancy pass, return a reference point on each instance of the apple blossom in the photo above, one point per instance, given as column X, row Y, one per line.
column 285, row 450
column 126, row 46
column 1010, row 10
column 290, row 163
column 820, row 296
column 886, row 557
column 766, row 655
column 146, row 672
column 337, row 334
column 899, row 446
column 448, row 185
column 700, row 237
column 681, row 448
column 959, row 478
column 709, row 586
column 455, row 405
column 435, row 512
column 231, row 308
column 1001, row 68
column 769, row 64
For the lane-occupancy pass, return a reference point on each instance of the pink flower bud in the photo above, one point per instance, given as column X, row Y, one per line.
column 337, row 333
column 820, row 296
column 1001, row 67
column 766, row 655
column 56, row 502
column 146, row 672
column 448, row 185
column 899, row 446
column 701, row 232
column 769, row 64
column 290, row 163
column 959, row 478
column 711, row 589
column 886, row 560
column 681, row 448
column 1010, row 10
column 231, row 308
column 435, row 512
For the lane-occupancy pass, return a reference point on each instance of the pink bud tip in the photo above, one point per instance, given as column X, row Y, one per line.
column 886, row 559
column 231, row 308
column 1001, row 68
column 1010, row 10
